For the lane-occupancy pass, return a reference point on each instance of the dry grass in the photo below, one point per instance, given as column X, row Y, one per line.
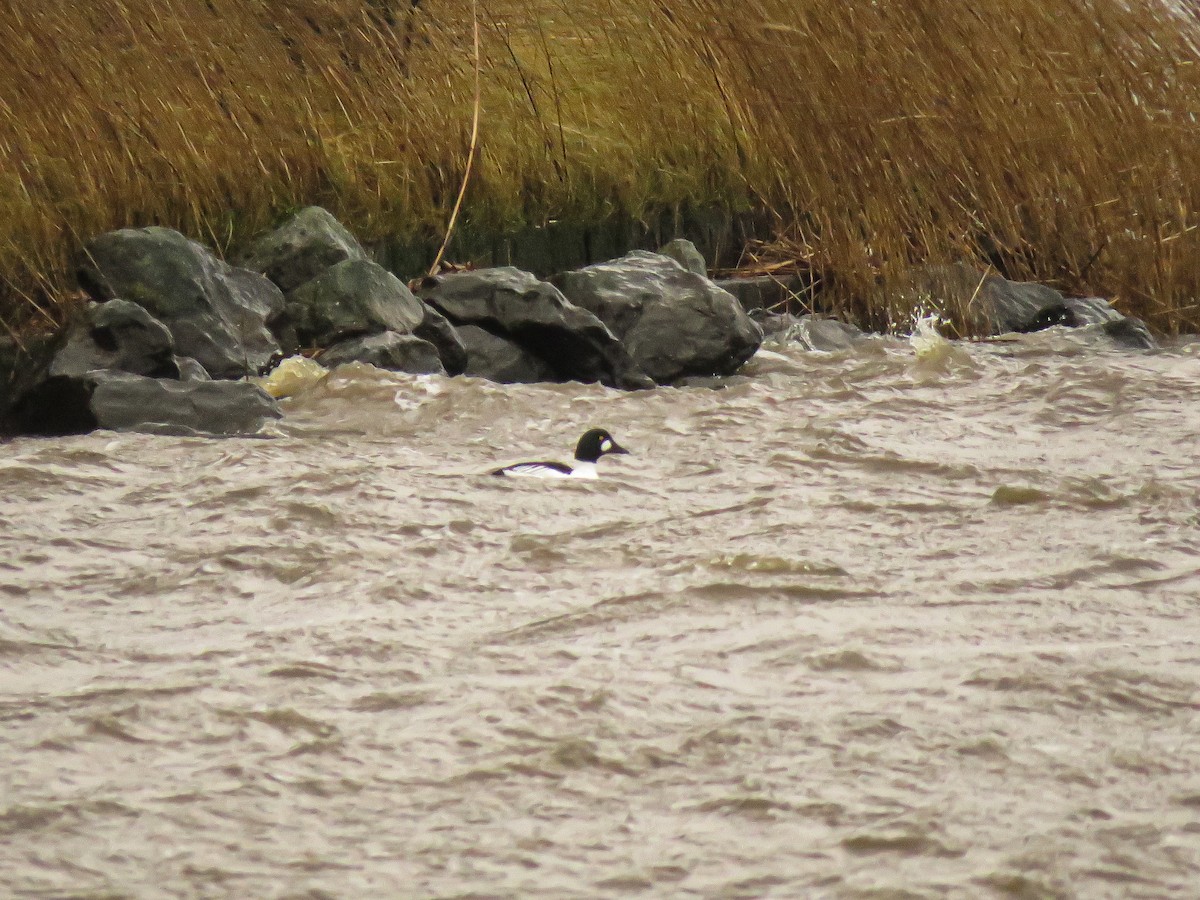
column 1055, row 139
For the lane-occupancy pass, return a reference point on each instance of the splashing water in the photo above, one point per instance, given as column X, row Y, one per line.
column 927, row 343
column 294, row 375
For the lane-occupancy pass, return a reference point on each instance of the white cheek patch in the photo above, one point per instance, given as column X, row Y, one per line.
column 606, row 445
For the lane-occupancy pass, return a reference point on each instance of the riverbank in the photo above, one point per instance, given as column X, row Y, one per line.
column 1050, row 142
column 178, row 341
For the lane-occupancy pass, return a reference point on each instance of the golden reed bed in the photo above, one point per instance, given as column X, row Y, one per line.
column 1055, row 139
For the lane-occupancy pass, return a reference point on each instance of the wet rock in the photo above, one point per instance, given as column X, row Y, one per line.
column 1049, row 317
column 302, row 248
column 996, row 305
column 673, row 322
column 810, row 332
column 23, row 365
column 1072, row 312
column 1129, row 333
column 190, row 370
column 216, row 314
column 572, row 343
column 74, row 404
column 1091, row 310
column 498, row 359
column 437, row 329
column 993, row 305
column 117, row 335
column 353, row 298
column 397, row 352
column 685, row 253
column 762, row 291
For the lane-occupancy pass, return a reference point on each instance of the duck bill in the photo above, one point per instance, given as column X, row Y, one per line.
column 617, row 448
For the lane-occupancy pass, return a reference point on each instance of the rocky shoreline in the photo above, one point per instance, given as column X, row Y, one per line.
column 173, row 335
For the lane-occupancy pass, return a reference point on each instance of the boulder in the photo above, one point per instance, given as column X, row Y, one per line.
column 574, row 344
column 810, row 332
column 398, row 352
column 673, row 322
column 74, row 404
column 995, row 305
column 685, row 253
column 23, row 365
column 992, row 305
column 1129, row 333
column 216, row 314
column 1072, row 312
column 498, row 359
column 762, row 291
column 353, row 298
column 437, row 329
column 117, row 335
column 302, row 248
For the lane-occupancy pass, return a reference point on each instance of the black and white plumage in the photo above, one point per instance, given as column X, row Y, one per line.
column 593, row 445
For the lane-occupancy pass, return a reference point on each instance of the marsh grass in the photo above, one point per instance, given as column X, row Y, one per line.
column 1053, row 140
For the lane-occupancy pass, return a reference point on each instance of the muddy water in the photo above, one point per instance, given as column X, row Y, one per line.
column 862, row 625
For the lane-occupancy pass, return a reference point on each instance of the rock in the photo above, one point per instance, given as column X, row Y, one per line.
column 1129, row 333
column 1091, row 310
column 437, row 329
column 762, row 291
column 74, row 404
column 810, row 332
column 22, row 365
column 397, row 352
column 573, row 343
column 998, row 306
column 774, row 325
column 302, row 248
column 993, row 305
column 353, row 298
column 216, row 314
column 190, row 370
column 674, row 323
column 117, row 335
column 497, row 359
column 1072, row 312
column 1050, row 316
column 685, row 253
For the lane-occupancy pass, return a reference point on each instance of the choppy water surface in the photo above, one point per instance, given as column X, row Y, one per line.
column 859, row 626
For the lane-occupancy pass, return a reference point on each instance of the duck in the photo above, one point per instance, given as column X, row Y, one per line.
column 594, row 443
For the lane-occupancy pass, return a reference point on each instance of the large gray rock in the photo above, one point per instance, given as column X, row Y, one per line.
column 216, row 314
column 74, row 404
column 673, row 322
column 117, row 335
column 498, row 359
column 994, row 305
column 685, row 253
column 991, row 304
column 437, row 329
column 353, row 298
column 574, row 344
column 302, row 248
column 397, row 352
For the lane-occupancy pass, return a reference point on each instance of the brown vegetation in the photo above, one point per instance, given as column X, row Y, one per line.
column 1055, row 139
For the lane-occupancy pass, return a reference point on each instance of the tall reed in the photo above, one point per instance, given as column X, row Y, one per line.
column 1053, row 139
